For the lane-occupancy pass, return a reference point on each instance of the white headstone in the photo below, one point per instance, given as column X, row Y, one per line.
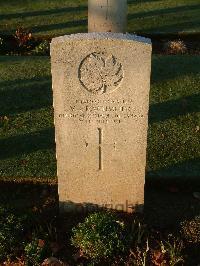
column 107, row 15
column 101, row 98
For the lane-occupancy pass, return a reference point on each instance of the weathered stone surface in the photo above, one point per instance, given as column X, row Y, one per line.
column 101, row 87
column 107, row 15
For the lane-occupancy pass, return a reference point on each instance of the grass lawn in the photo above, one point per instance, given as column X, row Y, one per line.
column 51, row 17
column 27, row 146
column 27, row 142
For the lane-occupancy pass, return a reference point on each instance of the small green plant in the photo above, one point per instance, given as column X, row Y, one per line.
column 43, row 48
column 173, row 249
column 191, row 230
column 137, row 232
column 11, row 234
column 36, row 251
column 100, row 236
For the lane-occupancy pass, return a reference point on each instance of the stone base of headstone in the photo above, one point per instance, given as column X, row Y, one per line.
column 101, row 85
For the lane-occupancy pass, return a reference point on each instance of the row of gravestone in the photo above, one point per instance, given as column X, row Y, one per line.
column 101, row 87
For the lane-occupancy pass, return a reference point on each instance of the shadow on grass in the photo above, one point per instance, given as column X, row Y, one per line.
column 66, row 25
column 133, row 2
column 27, row 143
column 181, row 172
column 188, row 24
column 170, row 67
column 24, row 95
column 26, row 196
column 162, row 208
column 174, row 108
column 163, row 11
column 168, row 203
column 54, row 11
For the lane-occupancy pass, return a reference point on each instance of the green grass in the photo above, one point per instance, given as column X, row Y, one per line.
column 52, row 17
column 174, row 134
column 27, row 142
column 27, row 146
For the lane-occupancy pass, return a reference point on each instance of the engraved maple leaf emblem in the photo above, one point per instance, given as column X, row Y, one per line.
column 100, row 73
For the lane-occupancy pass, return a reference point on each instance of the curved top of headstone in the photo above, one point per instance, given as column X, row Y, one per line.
column 102, row 35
